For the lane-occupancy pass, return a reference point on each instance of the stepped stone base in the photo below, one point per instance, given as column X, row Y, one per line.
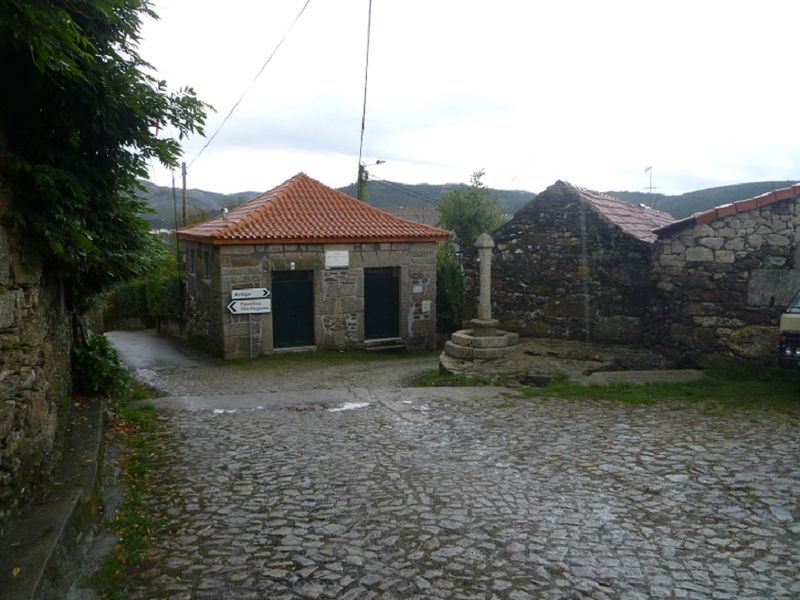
column 483, row 343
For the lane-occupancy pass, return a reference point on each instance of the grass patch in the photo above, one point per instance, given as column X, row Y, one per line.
column 141, row 391
column 726, row 386
column 135, row 429
column 313, row 359
column 437, row 379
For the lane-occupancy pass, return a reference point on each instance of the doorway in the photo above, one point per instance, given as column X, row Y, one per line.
column 382, row 303
column 292, row 308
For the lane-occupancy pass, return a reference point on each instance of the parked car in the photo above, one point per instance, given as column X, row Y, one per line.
column 789, row 344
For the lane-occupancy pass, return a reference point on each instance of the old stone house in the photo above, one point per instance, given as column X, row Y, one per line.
column 573, row 263
column 722, row 277
column 337, row 273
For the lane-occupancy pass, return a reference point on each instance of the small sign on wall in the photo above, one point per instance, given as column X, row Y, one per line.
column 337, row 259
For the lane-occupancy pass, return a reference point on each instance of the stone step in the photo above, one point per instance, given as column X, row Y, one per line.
column 502, row 339
column 470, row 353
column 378, row 345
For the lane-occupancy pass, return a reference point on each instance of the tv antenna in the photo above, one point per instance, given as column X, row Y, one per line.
column 650, row 187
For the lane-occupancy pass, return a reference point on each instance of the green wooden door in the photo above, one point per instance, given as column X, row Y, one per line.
column 292, row 308
column 381, row 303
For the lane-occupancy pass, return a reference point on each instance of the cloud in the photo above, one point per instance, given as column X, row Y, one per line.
column 533, row 92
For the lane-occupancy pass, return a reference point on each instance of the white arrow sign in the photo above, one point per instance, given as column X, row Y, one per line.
column 250, row 293
column 250, row 307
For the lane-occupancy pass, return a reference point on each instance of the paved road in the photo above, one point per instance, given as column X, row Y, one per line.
column 475, row 493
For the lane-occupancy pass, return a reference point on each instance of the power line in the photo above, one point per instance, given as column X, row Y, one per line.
column 252, row 83
column 411, row 192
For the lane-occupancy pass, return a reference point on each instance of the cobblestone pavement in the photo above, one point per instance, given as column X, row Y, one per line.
column 468, row 493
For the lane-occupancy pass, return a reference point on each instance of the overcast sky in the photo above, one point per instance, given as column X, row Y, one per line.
column 592, row 92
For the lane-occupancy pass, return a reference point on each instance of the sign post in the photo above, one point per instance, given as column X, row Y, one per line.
column 250, row 307
column 250, row 293
column 250, row 301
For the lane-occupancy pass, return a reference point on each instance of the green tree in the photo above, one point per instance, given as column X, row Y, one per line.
column 80, row 117
column 469, row 211
column 449, row 288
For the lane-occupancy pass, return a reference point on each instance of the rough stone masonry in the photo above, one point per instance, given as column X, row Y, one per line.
column 721, row 280
column 35, row 384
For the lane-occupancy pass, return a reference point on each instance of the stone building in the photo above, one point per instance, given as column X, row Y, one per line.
column 575, row 264
column 722, row 277
column 338, row 273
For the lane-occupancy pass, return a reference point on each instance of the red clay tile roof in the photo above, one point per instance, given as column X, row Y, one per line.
column 637, row 220
column 712, row 214
column 304, row 211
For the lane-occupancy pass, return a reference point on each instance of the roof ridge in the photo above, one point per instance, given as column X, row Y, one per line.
column 636, row 220
column 605, row 196
column 303, row 208
column 704, row 217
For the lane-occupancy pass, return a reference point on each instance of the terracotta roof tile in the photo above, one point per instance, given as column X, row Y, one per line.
column 637, row 220
column 712, row 214
column 303, row 210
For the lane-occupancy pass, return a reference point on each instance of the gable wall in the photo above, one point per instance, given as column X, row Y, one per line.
column 559, row 269
column 719, row 288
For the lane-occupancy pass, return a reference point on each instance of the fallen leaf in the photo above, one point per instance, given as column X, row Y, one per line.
column 15, row 571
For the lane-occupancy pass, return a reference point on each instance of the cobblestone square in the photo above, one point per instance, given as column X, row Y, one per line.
column 467, row 493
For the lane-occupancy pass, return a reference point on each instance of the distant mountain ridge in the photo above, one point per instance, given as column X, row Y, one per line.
column 683, row 205
column 385, row 194
column 199, row 204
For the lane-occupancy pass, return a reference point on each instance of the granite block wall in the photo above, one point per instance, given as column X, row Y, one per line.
column 338, row 292
column 720, row 287
column 560, row 270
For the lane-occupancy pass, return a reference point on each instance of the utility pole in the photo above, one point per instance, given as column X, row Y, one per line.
column 361, row 184
column 183, row 171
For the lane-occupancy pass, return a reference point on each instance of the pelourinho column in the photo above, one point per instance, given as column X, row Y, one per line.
column 484, row 325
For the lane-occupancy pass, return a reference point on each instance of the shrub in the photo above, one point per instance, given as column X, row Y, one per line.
column 449, row 289
column 97, row 368
column 165, row 297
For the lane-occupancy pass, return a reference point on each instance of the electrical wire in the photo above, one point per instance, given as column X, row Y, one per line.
column 399, row 186
column 252, row 83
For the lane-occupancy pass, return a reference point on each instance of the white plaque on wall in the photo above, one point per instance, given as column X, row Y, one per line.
column 337, row 259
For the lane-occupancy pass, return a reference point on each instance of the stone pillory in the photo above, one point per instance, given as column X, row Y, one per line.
column 314, row 268
column 574, row 263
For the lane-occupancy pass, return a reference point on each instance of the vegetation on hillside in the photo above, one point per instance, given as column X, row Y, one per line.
column 388, row 194
column 383, row 194
column 200, row 205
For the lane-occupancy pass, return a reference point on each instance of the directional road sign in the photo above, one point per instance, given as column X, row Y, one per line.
column 250, row 307
column 250, row 293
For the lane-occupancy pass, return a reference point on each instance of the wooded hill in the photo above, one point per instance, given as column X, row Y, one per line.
column 683, row 205
column 383, row 194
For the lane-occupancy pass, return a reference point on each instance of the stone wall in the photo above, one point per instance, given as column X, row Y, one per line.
column 203, row 312
column 35, row 383
column 560, row 270
column 338, row 292
column 720, row 287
